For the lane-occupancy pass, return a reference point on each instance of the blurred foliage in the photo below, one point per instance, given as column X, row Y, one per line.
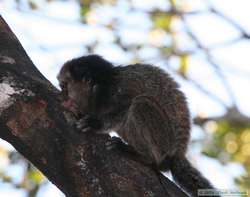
column 228, row 141
column 162, row 20
column 231, row 142
column 85, row 8
column 183, row 65
column 31, row 179
column 32, row 4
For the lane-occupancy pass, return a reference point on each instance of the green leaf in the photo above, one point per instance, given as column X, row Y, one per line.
column 173, row 2
column 36, row 176
column 162, row 20
column 84, row 10
column 183, row 68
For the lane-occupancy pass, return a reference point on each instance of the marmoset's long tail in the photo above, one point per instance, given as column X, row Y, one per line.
column 189, row 178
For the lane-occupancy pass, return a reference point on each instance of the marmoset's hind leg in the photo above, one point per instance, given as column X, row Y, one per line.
column 148, row 130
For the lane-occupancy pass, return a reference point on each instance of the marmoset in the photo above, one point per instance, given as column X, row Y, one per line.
column 142, row 103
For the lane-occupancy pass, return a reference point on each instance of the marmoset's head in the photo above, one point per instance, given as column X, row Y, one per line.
column 79, row 79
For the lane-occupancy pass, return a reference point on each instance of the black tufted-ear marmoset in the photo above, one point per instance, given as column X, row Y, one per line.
column 142, row 103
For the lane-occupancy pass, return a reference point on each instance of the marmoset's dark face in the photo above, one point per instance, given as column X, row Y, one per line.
column 75, row 93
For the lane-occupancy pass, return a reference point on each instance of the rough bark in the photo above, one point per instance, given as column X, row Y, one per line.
column 32, row 120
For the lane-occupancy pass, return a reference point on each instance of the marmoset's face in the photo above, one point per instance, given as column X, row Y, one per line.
column 75, row 93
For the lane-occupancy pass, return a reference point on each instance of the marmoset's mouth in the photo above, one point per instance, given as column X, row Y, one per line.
column 71, row 106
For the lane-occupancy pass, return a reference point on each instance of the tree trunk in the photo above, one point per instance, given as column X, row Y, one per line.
column 33, row 121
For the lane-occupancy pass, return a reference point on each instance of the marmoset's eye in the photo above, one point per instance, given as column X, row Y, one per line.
column 64, row 87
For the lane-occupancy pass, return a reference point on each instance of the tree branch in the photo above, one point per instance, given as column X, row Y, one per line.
column 32, row 120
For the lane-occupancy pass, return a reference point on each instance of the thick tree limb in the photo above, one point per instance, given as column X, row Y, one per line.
column 32, row 120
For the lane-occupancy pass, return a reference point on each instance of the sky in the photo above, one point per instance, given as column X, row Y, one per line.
column 53, row 35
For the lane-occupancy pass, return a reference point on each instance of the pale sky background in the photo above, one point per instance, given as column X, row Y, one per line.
column 52, row 35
